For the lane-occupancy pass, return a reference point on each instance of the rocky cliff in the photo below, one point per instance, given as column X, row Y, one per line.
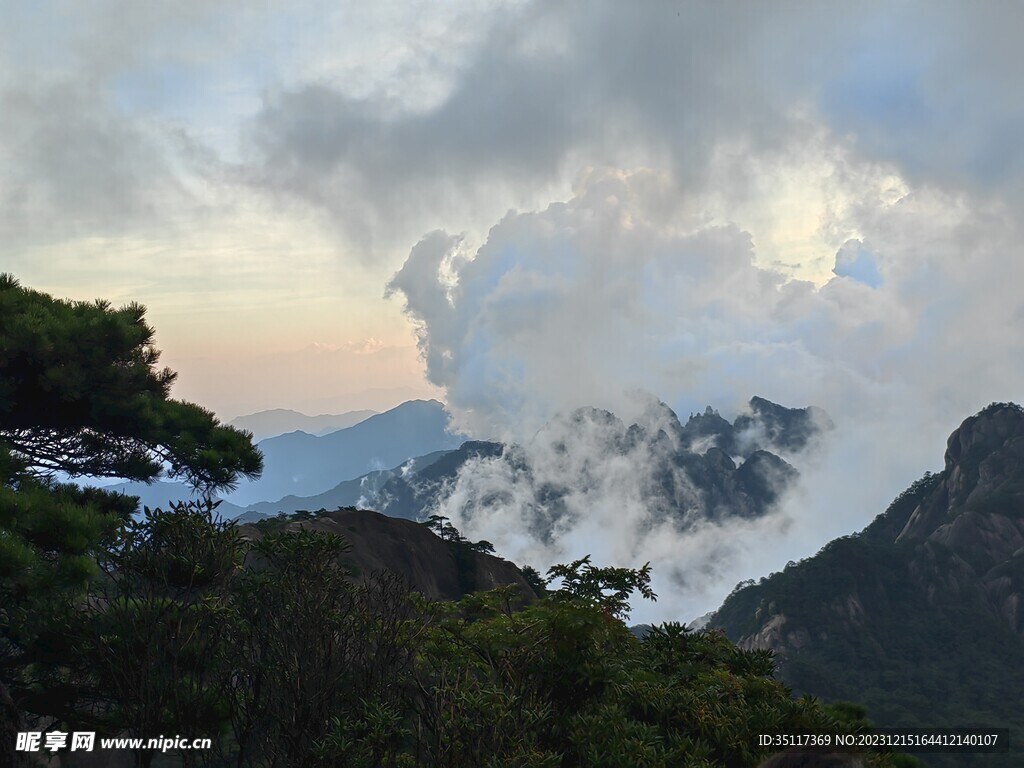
column 920, row 614
column 975, row 513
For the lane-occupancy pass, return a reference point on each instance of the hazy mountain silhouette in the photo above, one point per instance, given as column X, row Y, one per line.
column 301, row 464
column 298, row 463
column 360, row 492
column 280, row 421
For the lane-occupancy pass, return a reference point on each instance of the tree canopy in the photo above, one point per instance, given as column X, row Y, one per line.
column 80, row 395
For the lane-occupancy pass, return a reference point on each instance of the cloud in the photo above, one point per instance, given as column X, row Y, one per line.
column 612, row 290
column 81, row 155
column 75, row 166
column 930, row 86
column 540, row 90
column 545, row 89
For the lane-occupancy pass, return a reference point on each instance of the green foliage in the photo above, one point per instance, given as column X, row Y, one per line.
column 888, row 525
column 535, row 581
column 150, row 628
column 609, row 588
column 319, row 660
column 562, row 683
column 443, row 527
column 80, row 395
column 273, row 649
column 914, row 657
column 295, row 610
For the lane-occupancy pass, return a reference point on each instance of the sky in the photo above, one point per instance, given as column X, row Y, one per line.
column 523, row 207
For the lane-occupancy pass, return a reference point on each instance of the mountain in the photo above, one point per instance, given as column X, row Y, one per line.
column 580, row 457
column 280, row 421
column 438, row 569
column 921, row 615
column 686, row 476
column 766, row 426
column 373, row 488
column 303, row 465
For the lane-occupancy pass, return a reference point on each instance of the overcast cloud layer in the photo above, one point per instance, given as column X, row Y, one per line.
column 820, row 204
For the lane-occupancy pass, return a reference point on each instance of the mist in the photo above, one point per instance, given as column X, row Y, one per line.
column 623, row 289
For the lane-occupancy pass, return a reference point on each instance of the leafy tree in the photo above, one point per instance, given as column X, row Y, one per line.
column 461, row 548
column 319, row 660
column 155, row 631
column 444, row 529
column 563, row 683
column 80, row 395
column 536, row 582
column 483, row 546
column 608, row 587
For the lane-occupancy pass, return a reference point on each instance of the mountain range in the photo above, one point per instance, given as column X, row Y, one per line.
column 280, row 421
column 708, row 468
column 920, row 616
column 298, row 463
column 302, row 464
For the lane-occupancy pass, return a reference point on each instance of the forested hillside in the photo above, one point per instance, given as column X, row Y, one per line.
column 920, row 614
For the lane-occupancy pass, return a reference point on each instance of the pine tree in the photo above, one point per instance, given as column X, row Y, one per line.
column 81, row 396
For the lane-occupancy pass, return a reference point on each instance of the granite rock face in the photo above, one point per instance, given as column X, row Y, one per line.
column 976, row 511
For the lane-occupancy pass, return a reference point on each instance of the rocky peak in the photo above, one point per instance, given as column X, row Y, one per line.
column 708, row 429
column 921, row 615
column 984, row 432
column 765, row 426
column 963, row 541
column 775, row 427
column 981, row 488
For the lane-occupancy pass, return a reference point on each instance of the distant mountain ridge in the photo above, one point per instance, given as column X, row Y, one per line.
column 690, row 474
column 301, row 464
column 921, row 614
column 363, row 491
column 280, row 421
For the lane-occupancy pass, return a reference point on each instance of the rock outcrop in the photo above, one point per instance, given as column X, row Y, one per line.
column 766, row 426
column 411, row 550
column 921, row 614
